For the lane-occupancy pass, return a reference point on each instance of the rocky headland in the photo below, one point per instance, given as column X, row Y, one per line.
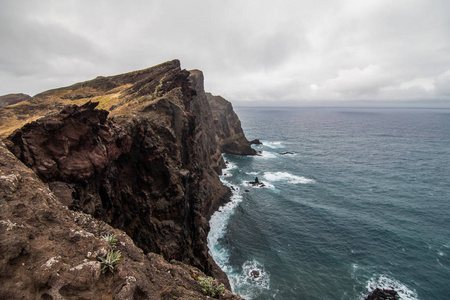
column 136, row 155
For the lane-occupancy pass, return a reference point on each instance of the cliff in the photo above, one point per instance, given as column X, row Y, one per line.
column 50, row 252
column 230, row 137
column 140, row 151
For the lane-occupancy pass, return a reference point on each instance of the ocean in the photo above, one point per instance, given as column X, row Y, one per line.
column 360, row 200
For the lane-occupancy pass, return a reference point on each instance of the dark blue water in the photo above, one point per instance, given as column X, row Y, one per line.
column 364, row 201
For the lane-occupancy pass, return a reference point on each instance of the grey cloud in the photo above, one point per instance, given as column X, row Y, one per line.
column 300, row 52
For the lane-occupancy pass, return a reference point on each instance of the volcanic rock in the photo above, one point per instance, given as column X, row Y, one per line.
column 229, row 134
column 50, row 252
column 140, row 151
column 257, row 183
column 285, row 153
column 383, row 294
column 255, row 142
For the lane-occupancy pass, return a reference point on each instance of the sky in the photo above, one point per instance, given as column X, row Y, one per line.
column 253, row 53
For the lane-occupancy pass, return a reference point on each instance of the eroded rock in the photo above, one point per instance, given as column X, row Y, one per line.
column 40, row 259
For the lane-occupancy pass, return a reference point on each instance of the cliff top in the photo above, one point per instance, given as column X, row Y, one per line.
column 119, row 94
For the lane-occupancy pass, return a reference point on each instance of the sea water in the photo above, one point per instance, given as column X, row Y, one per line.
column 361, row 200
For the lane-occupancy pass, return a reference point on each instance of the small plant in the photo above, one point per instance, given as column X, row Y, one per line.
column 211, row 287
column 110, row 238
column 112, row 259
column 158, row 88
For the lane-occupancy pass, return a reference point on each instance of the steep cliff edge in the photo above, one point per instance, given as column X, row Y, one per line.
column 230, row 137
column 148, row 164
column 51, row 252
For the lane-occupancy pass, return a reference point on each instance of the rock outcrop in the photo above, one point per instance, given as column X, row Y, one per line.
column 383, row 294
column 50, row 252
column 140, row 151
column 230, row 137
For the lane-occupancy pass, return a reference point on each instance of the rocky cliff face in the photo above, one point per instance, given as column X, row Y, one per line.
column 147, row 163
column 230, row 137
column 51, row 252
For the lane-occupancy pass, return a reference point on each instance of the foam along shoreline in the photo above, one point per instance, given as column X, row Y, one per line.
column 252, row 276
column 219, row 222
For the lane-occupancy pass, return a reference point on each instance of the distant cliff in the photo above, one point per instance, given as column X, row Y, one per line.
column 229, row 134
column 12, row 99
column 140, row 151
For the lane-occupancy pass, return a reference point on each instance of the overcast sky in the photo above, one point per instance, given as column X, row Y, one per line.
column 307, row 53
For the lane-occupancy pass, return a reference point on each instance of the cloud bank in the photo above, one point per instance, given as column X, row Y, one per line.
column 306, row 53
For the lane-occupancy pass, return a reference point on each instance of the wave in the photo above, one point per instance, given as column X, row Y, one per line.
column 229, row 166
column 266, row 185
column 226, row 172
column 252, row 173
column 218, row 226
column 273, row 145
column 251, row 281
column 384, row 282
column 266, row 155
column 285, row 176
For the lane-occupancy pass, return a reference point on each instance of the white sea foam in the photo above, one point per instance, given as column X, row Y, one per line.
column 384, row 282
column 266, row 185
column 227, row 171
column 252, row 173
column 219, row 222
column 273, row 145
column 266, row 155
column 247, row 284
column 285, row 176
column 229, row 166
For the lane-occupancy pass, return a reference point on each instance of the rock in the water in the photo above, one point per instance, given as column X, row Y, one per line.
column 383, row 294
column 255, row 142
column 255, row 273
column 256, row 183
column 287, row 152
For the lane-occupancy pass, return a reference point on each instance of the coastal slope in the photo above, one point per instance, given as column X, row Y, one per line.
column 51, row 252
column 140, row 151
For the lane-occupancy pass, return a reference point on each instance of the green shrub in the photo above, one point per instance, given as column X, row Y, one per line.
column 112, row 259
column 110, row 238
column 211, row 287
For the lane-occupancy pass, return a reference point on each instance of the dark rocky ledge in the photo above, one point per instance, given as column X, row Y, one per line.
column 256, row 142
column 383, row 294
column 146, row 163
